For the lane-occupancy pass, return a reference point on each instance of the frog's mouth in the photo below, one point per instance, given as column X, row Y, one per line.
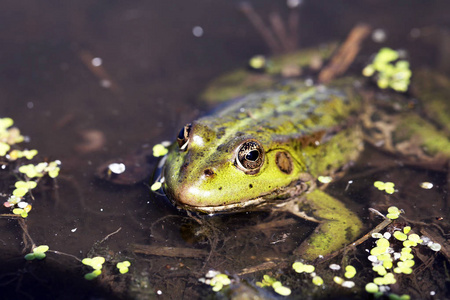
column 266, row 201
column 227, row 208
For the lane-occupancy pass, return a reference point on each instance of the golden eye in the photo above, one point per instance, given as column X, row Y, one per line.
column 183, row 137
column 250, row 157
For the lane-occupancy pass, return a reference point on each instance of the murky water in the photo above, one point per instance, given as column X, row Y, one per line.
column 153, row 68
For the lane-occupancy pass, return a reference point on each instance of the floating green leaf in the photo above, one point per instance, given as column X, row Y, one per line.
column 94, row 274
column 4, row 148
column 156, row 186
column 123, row 266
column 350, row 271
column 95, row 262
column 395, row 75
column 371, row 288
column 317, row 280
column 159, row 150
column 400, row 236
column 218, row 281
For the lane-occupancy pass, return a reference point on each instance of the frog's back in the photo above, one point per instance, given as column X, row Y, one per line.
column 293, row 109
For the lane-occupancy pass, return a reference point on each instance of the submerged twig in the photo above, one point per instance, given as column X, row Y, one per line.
column 262, row 267
column 98, row 70
column 169, row 251
column 109, row 235
column 346, row 53
column 27, row 238
column 65, row 254
column 263, row 30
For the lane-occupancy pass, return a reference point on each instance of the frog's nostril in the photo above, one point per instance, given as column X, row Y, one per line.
column 209, row 172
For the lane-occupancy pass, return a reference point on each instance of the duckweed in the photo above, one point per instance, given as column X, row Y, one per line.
column 414, row 238
column 338, row 280
column 381, row 270
column 317, row 280
column 393, row 213
column 383, row 243
column 123, row 266
column 267, row 281
column 257, row 62
column 219, row 281
column 159, row 150
column 350, row 271
column 389, row 74
column 275, row 284
column 156, row 186
column 96, row 262
column 300, row 267
column 9, row 137
column 280, row 289
column 400, row 236
column 38, row 253
column 92, row 275
column 388, row 187
column 371, row 288
column 409, row 244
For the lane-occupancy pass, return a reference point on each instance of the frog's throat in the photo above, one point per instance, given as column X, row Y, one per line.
column 273, row 199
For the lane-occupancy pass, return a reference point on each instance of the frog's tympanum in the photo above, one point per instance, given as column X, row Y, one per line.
column 267, row 148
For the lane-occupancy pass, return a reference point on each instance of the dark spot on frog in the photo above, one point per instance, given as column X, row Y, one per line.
column 284, row 162
column 184, row 167
column 220, row 188
column 209, row 172
column 222, row 148
column 250, row 185
column 220, row 132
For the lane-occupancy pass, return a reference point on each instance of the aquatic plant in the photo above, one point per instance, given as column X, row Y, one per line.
column 38, row 253
column 388, row 187
column 12, row 155
column 389, row 71
column 277, row 286
column 96, row 263
column 388, row 257
column 123, row 266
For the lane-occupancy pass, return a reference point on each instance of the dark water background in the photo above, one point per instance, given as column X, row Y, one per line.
column 157, row 68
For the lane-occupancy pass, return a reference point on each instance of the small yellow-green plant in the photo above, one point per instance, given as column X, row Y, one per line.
column 388, row 187
column 38, row 253
column 29, row 174
column 277, row 286
column 96, row 263
column 389, row 70
column 123, row 266
column 387, row 257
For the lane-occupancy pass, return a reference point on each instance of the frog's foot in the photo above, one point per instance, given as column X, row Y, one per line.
column 338, row 226
column 279, row 37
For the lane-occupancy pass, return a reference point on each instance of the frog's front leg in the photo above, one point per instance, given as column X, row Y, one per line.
column 338, row 226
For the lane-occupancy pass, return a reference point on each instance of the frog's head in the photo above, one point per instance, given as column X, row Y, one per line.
column 214, row 169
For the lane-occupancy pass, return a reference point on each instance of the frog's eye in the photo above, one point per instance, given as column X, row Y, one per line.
column 183, row 137
column 250, row 156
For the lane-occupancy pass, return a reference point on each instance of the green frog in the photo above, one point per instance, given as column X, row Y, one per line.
column 266, row 149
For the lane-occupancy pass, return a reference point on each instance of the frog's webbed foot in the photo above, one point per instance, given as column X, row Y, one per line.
column 338, row 226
